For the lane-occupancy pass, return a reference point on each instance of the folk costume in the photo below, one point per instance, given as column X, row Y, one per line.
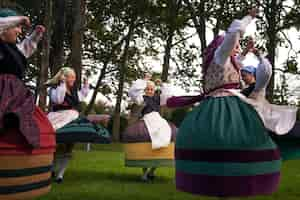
column 149, row 142
column 223, row 148
column 27, row 139
column 70, row 127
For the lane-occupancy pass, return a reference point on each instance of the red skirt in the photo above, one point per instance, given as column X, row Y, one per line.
column 25, row 172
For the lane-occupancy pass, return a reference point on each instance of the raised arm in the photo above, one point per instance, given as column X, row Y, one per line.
column 137, row 91
column 232, row 37
column 83, row 93
column 263, row 74
column 57, row 95
column 29, row 44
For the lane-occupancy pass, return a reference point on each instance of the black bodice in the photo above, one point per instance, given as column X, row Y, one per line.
column 71, row 101
column 12, row 61
column 152, row 104
column 247, row 91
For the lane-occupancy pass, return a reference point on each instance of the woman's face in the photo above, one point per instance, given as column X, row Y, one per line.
column 247, row 77
column 11, row 34
column 150, row 90
column 236, row 50
column 70, row 79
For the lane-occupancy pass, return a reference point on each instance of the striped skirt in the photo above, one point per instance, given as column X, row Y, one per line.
column 224, row 150
column 138, row 148
column 25, row 173
column 82, row 130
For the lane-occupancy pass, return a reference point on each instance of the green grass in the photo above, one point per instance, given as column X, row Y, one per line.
column 100, row 174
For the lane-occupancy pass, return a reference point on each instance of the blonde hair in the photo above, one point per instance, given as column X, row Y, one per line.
column 150, row 83
column 65, row 71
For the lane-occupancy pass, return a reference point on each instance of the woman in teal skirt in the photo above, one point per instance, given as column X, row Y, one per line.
column 65, row 118
column 223, row 148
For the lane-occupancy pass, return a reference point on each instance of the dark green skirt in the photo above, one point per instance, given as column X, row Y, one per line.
column 223, row 149
column 82, row 130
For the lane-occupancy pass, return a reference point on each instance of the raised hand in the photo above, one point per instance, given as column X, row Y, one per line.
column 26, row 21
column 40, row 29
column 253, row 12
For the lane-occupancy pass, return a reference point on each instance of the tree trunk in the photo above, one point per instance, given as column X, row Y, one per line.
column 117, row 112
column 101, row 77
column 78, row 10
column 270, row 12
column 58, row 36
column 167, row 56
column 7, row 3
column 45, row 54
column 199, row 22
column 174, row 7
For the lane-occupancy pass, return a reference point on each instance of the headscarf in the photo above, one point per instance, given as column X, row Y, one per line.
column 8, row 19
column 209, row 52
column 57, row 78
column 249, row 69
column 5, row 12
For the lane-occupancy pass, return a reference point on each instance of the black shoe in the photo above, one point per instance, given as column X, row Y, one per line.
column 145, row 179
column 52, row 175
column 59, row 180
column 151, row 177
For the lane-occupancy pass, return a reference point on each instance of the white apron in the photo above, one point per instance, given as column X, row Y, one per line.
column 159, row 130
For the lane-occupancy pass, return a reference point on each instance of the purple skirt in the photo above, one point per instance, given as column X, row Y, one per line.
column 138, row 132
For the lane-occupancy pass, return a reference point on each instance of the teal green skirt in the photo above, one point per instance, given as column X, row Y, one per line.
column 82, row 130
column 223, row 149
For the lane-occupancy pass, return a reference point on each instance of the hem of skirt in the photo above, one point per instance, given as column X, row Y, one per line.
column 228, row 186
column 149, row 163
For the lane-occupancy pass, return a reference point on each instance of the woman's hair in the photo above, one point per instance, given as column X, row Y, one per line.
column 209, row 52
column 150, row 83
column 65, row 71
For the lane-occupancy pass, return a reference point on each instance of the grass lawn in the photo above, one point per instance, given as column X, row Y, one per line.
column 100, row 174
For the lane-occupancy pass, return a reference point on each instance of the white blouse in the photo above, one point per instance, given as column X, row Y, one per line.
column 221, row 71
column 232, row 38
column 57, row 95
column 137, row 91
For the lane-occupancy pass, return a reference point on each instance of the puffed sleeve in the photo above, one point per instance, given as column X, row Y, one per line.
column 57, row 95
column 167, row 91
column 9, row 22
column 232, row 37
column 263, row 74
column 29, row 44
column 137, row 91
column 83, row 93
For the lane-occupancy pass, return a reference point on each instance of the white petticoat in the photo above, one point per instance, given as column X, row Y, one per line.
column 279, row 119
column 61, row 118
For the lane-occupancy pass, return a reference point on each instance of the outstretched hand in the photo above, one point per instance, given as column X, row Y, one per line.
column 26, row 21
column 40, row 29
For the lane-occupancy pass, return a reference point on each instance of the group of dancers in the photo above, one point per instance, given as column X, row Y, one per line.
column 222, row 148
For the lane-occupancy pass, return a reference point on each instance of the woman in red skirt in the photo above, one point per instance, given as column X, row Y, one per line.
column 25, row 131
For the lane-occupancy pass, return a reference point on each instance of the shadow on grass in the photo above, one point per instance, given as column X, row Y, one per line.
column 113, row 147
column 89, row 176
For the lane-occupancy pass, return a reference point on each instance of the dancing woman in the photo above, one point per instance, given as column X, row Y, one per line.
column 149, row 143
column 65, row 117
column 27, row 137
column 222, row 146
